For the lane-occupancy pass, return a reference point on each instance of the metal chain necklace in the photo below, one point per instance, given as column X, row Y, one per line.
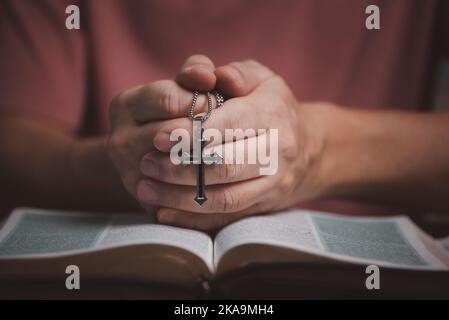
column 220, row 101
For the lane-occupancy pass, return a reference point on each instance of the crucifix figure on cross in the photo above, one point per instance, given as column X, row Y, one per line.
column 198, row 157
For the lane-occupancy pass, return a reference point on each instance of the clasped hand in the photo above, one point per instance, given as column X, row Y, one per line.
column 139, row 144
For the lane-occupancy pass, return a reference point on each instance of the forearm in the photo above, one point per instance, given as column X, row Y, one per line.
column 96, row 179
column 45, row 167
column 396, row 158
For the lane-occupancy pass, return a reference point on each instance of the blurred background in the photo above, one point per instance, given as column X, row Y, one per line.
column 56, row 84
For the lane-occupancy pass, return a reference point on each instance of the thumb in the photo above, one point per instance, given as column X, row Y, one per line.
column 197, row 73
column 238, row 79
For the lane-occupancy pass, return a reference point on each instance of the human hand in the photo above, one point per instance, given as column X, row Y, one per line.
column 137, row 114
column 260, row 99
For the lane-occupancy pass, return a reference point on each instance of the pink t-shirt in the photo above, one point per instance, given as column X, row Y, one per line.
column 322, row 48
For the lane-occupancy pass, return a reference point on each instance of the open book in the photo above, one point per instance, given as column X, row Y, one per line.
column 130, row 246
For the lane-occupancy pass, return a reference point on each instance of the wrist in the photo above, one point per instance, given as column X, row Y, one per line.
column 95, row 177
column 325, row 128
column 346, row 136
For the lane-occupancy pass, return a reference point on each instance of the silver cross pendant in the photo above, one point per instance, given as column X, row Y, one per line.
column 198, row 157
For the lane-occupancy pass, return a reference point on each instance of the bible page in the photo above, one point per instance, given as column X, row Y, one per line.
column 389, row 241
column 38, row 233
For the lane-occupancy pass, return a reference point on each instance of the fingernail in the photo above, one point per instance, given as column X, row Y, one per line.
column 147, row 192
column 165, row 217
column 162, row 141
column 150, row 167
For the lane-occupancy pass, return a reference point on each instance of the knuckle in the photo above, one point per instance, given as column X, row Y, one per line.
column 281, row 86
column 115, row 142
column 168, row 101
column 120, row 144
column 255, row 64
column 274, row 109
column 279, row 80
column 130, row 184
column 218, row 201
column 137, row 189
column 285, row 185
column 172, row 173
column 237, row 66
column 149, row 195
column 289, row 148
column 226, row 172
column 226, row 201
